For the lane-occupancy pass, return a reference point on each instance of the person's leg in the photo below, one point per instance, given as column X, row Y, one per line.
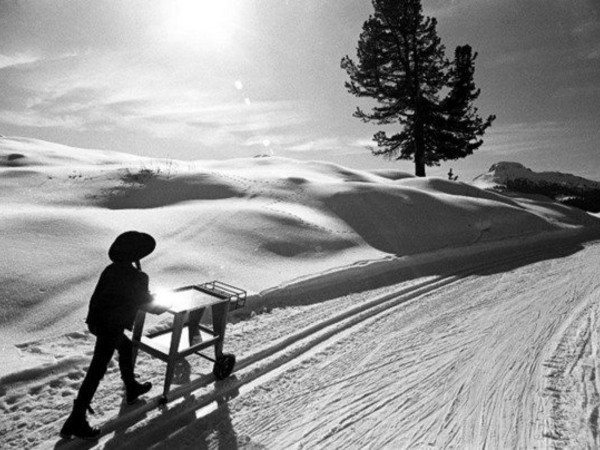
column 133, row 389
column 125, row 349
column 103, row 352
column 76, row 424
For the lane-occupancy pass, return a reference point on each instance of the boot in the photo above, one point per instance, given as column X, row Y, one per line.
column 77, row 426
column 134, row 389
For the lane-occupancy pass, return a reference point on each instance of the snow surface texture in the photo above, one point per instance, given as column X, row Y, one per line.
column 307, row 240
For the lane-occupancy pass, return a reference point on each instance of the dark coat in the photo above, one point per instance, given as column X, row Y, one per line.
column 120, row 291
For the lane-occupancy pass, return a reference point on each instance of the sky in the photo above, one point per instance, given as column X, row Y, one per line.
column 216, row 79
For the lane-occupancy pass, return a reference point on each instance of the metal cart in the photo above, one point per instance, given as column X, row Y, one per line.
column 187, row 336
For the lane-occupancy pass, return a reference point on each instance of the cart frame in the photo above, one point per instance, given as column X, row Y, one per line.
column 220, row 298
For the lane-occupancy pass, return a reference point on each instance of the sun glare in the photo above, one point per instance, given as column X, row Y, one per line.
column 162, row 298
column 205, row 22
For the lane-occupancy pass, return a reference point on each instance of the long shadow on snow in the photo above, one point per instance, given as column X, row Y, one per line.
column 179, row 425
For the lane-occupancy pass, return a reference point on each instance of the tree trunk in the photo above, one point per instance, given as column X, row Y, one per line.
column 419, row 164
column 419, row 149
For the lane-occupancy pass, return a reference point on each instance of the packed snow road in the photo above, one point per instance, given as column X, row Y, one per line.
column 504, row 358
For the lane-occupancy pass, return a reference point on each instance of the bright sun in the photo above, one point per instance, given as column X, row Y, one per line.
column 205, row 22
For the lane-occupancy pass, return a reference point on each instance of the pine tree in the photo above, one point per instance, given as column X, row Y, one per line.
column 402, row 65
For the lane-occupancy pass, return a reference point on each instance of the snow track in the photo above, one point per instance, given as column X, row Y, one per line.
column 460, row 370
column 482, row 363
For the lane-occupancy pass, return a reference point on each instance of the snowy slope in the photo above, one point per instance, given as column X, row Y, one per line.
column 22, row 152
column 256, row 223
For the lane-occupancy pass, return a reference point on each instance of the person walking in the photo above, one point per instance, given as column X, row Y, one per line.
column 121, row 290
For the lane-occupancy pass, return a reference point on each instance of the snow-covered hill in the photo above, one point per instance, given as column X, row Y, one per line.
column 259, row 223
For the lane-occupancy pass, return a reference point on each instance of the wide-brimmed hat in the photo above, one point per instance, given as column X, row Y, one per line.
column 131, row 246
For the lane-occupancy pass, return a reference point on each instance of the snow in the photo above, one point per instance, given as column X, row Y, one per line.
column 356, row 279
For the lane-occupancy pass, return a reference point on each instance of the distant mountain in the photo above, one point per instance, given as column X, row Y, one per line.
column 565, row 188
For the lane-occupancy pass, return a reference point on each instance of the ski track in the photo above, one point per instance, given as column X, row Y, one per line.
column 499, row 360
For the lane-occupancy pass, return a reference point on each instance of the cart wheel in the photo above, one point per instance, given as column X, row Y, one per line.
column 224, row 366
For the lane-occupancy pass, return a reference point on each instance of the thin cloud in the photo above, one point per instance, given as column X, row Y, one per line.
column 330, row 143
column 81, row 109
column 333, row 146
column 17, row 59
column 527, row 57
column 522, row 137
column 442, row 8
column 366, row 142
column 105, row 92
column 34, row 119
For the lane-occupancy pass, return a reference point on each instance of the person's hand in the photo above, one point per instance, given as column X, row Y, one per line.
column 156, row 309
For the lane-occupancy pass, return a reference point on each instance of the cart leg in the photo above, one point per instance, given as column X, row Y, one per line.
column 219, row 317
column 178, row 324
column 138, row 327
